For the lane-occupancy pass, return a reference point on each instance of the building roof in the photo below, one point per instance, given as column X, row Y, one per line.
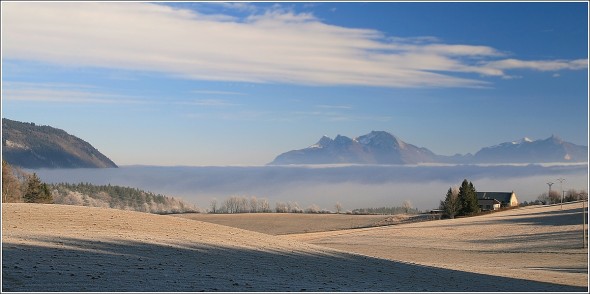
column 503, row 197
column 494, row 201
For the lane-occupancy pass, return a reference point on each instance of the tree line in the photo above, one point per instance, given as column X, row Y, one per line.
column 125, row 198
column 253, row 204
column 18, row 186
column 406, row 208
column 554, row 197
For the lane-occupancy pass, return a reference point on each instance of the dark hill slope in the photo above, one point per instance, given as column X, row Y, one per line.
column 30, row 146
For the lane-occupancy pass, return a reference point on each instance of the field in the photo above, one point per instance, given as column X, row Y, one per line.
column 293, row 223
column 72, row 248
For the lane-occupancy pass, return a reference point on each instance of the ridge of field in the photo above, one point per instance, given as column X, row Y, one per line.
column 294, row 223
column 61, row 248
column 541, row 243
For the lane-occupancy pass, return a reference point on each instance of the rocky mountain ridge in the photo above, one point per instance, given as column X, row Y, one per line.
column 380, row 147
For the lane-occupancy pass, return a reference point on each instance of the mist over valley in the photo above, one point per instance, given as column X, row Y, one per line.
column 354, row 186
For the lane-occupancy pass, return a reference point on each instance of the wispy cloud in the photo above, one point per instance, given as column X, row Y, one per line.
column 210, row 102
column 543, row 65
column 63, row 93
column 334, row 106
column 239, row 6
column 214, row 92
column 273, row 46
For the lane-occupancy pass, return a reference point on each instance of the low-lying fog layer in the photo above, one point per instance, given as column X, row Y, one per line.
column 355, row 186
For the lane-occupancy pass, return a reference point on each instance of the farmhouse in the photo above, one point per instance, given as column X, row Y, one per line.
column 495, row 200
column 488, row 204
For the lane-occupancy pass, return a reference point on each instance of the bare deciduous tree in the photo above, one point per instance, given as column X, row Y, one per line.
column 254, row 204
column 12, row 186
column 213, row 206
column 281, row 207
column 338, row 207
column 313, row 209
column 407, row 205
column 264, row 205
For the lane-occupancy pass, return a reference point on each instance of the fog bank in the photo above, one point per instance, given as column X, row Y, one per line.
column 353, row 186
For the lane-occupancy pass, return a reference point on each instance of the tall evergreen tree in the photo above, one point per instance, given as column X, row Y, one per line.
column 451, row 205
column 36, row 191
column 468, row 198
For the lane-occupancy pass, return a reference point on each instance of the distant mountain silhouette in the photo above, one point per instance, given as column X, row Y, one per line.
column 379, row 147
column 552, row 149
column 30, row 146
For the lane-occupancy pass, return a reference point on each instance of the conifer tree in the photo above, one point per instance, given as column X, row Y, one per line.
column 468, row 198
column 451, row 205
column 36, row 191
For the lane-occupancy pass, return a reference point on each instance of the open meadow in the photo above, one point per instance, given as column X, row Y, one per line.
column 72, row 248
column 293, row 223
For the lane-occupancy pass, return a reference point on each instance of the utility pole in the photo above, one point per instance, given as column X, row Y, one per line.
column 549, row 195
column 561, row 185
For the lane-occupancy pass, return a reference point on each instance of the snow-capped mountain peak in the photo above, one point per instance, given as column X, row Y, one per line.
column 379, row 147
column 323, row 142
column 523, row 141
column 552, row 149
column 376, row 147
column 380, row 138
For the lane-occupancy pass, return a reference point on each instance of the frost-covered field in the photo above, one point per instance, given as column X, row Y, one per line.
column 70, row 248
column 292, row 223
column 541, row 243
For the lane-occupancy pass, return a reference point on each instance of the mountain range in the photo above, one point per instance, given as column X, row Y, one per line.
column 380, row 147
column 28, row 145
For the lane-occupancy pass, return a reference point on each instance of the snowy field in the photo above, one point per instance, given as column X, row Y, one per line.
column 70, row 248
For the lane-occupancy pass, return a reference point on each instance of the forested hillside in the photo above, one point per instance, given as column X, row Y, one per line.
column 118, row 197
column 19, row 186
column 28, row 145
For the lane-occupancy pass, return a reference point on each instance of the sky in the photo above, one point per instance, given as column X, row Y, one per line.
column 238, row 83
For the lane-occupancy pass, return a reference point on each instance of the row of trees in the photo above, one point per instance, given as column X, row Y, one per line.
column 460, row 201
column 118, row 197
column 554, row 197
column 18, row 186
column 243, row 204
column 405, row 208
column 240, row 204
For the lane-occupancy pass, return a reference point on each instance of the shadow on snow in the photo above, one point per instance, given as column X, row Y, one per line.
column 79, row 265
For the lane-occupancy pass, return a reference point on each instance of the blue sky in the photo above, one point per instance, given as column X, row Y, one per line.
column 239, row 83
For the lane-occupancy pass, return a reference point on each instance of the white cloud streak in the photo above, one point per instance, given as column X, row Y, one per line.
column 64, row 93
column 211, row 103
column 547, row 65
column 215, row 92
column 276, row 46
